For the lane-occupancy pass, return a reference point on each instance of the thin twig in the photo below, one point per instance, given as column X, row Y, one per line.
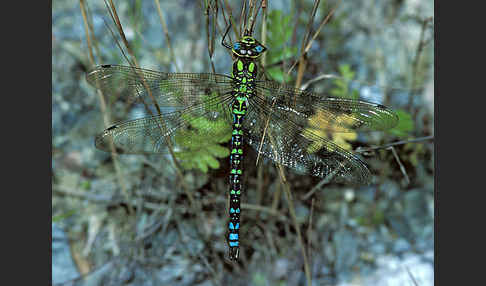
column 318, row 78
column 420, row 47
column 309, row 44
column 402, row 168
column 302, row 58
column 386, row 146
column 411, row 276
column 264, row 133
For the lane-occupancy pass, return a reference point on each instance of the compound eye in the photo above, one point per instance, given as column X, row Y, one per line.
column 259, row 48
column 236, row 46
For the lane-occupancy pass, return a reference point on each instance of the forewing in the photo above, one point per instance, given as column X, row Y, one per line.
column 176, row 90
column 329, row 114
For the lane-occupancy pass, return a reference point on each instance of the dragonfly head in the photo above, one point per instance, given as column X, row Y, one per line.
column 248, row 47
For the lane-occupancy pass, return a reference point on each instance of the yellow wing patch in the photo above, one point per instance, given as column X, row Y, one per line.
column 321, row 125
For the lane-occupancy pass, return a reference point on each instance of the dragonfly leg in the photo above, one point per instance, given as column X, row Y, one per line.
column 224, row 36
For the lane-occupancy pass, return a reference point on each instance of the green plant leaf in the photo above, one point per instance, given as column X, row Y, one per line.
column 279, row 33
column 277, row 74
column 63, row 216
column 342, row 88
column 199, row 146
column 405, row 124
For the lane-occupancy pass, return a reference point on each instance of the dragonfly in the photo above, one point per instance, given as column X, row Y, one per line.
column 281, row 122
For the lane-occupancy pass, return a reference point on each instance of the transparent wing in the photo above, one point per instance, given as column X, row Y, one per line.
column 175, row 90
column 181, row 100
column 154, row 134
column 326, row 113
column 288, row 125
column 272, row 134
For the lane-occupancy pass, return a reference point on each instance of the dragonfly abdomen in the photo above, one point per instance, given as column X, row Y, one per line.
column 244, row 72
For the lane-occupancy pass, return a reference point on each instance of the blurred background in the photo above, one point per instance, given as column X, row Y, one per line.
column 132, row 220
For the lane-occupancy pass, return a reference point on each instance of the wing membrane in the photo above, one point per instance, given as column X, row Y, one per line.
column 183, row 99
column 177, row 90
column 289, row 126
column 284, row 141
column 329, row 114
column 154, row 134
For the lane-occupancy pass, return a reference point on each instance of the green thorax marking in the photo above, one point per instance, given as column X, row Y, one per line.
column 243, row 76
column 251, row 67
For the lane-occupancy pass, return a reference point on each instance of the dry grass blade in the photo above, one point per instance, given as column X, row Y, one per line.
column 307, row 45
column 242, row 18
column 302, row 60
column 297, row 228
column 92, row 34
column 254, row 15
column 114, row 17
column 106, row 116
column 415, row 64
column 321, row 25
column 166, row 33
column 211, row 29
column 264, row 30
column 230, row 17
column 82, row 5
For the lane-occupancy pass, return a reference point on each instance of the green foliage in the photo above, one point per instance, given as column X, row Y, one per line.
column 63, row 216
column 86, row 185
column 342, row 84
column 405, row 124
column 200, row 145
column 279, row 33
